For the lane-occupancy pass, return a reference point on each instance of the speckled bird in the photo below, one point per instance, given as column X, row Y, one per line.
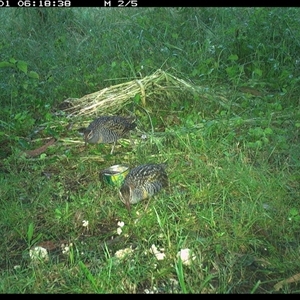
column 108, row 129
column 142, row 182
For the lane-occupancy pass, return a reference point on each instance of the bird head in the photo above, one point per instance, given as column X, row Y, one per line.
column 125, row 195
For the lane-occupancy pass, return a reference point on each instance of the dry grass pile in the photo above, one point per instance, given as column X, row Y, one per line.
column 111, row 99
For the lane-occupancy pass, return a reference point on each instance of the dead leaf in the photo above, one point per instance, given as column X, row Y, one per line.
column 52, row 245
column 38, row 151
column 250, row 90
column 292, row 279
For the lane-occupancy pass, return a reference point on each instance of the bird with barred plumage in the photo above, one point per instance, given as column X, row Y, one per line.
column 143, row 182
column 108, row 129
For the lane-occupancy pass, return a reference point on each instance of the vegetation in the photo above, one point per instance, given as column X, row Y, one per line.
column 231, row 146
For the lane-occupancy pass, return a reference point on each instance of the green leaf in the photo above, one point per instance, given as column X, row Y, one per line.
column 233, row 57
column 30, row 232
column 258, row 72
column 13, row 61
column 232, row 71
column 4, row 64
column 43, row 156
column 22, row 66
column 137, row 98
column 58, row 213
column 293, row 212
column 268, row 130
column 34, row 75
column 18, row 116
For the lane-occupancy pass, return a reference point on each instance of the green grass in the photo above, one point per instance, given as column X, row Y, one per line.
column 232, row 150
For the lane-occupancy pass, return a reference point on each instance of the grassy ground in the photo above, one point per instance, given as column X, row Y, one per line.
column 232, row 152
